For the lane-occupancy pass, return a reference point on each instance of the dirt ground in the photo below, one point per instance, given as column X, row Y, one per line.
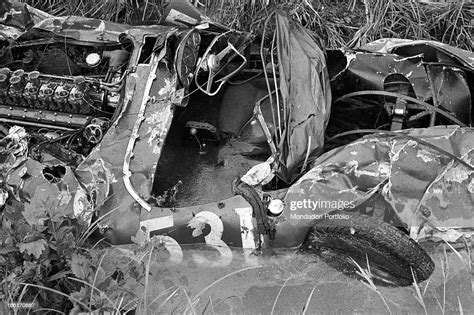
column 285, row 281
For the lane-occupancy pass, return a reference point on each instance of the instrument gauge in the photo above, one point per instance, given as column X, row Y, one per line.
column 186, row 57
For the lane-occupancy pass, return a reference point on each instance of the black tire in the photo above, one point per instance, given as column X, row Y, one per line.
column 391, row 253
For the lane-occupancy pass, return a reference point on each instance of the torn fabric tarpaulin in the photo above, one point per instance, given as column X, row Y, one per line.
column 306, row 95
column 432, row 194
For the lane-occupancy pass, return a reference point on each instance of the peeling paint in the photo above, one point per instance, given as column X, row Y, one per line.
column 156, row 132
column 350, row 57
column 98, row 167
column 382, row 169
column 365, row 140
column 426, row 156
column 450, row 235
column 170, row 85
column 408, row 58
column 470, row 186
column 356, row 143
column 64, row 197
column 457, row 174
column 395, row 155
column 435, row 191
column 82, row 207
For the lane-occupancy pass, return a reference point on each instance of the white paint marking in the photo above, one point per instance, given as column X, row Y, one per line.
column 157, row 224
column 213, row 239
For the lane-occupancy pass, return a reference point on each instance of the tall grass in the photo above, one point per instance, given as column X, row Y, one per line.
column 366, row 274
column 339, row 23
column 122, row 11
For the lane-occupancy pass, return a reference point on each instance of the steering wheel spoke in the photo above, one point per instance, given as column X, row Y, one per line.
column 212, row 63
column 210, row 81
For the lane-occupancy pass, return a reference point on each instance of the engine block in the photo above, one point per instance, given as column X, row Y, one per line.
column 36, row 99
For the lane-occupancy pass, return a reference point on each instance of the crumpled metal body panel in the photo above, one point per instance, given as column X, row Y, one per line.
column 114, row 181
column 115, row 178
column 119, row 170
column 42, row 197
column 17, row 17
column 406, row 46
column 83, row 29
column 94, row 30
column 431, row 193
column 368, row 72
column 437, row 73
column 124, row 162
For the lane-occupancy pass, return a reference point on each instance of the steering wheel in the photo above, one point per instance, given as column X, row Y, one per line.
column 211, row 63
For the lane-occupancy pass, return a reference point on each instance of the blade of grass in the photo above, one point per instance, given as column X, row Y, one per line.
column 419, row 296
column 48, row 310
column 305, row 308
column 465, row 262
column 206, row 306
column 147, row 275
column 437, row 301
column 190, row 304
column 426, row 285
column 212, row 305
column 444, row 270
column 461, row 311
column 278, row 295
column 167, row 298
column 96, row 289
column 23, row 291
column 367, row 275
column 95, row 278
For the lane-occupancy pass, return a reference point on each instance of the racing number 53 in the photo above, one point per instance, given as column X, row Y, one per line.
column 213, row 239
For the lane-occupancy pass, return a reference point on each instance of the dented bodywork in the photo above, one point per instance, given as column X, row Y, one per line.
column 430, row 71
column 101, row 125
column 95, row 170
column 116, row 155
column 429, row 191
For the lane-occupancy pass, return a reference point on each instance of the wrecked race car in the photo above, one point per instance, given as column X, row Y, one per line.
column 69, row 82
column 173, row 133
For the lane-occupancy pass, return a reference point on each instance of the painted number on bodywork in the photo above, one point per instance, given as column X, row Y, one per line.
column 213, row 238
column 176, row 253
